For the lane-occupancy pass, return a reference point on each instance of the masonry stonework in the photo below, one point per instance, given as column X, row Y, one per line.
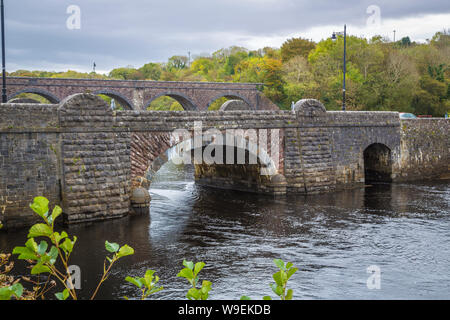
column 138, row 94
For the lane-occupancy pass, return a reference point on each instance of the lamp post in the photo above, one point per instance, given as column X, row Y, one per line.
column 4, row 97
column 333, row 37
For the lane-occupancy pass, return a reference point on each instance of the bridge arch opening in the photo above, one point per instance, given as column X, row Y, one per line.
column 239, row 166
column 170, row 101
column 38, row 95
column 120, row 101
column 377, row 163
column 229, row 102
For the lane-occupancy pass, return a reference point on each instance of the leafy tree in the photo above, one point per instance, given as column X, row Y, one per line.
column 296, row 47
column 126, row 74
column 177, row 62
column 151, row 71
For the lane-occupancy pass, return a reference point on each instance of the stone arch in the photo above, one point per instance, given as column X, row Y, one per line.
column 117, row 96
column 43, row 93
column 185, row 101
column 377, row 163
column 150, row 151
column 235, row 105
column 233, row 96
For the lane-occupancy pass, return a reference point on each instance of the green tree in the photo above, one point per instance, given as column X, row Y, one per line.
column 127, row 73
column 177, row 62
column 296, row 47
column 151, row 71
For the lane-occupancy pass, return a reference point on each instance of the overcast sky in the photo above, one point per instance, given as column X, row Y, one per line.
column 116, row 33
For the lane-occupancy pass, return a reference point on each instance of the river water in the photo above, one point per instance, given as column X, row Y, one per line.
column 401, row 229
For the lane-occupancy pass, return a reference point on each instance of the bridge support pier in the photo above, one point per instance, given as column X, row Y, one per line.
column 140, row 201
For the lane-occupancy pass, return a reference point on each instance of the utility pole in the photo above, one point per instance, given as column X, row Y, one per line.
column 394, row 35
column 4, row 97
column 334, row 38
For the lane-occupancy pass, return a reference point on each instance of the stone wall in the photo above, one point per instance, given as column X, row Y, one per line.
column 351, row 132
column 95, row 161
column 425, row 150
column 29, row 149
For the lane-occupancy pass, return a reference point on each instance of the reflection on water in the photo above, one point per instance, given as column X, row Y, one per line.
column 402, row 228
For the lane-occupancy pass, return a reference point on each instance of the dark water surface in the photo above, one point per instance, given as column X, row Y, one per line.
column 404, row 229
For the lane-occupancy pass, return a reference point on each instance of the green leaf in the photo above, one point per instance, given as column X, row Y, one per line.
column 112, row 247
column 188, row 264
column 136, row 281
column 124, row 251
column 278, row 278
column 58, row 237
column 186, row 273
column 193, row 294
column 279, row 263
column 245, row 298
column 62, row 295
column 67, row 245
column 289, row 294
column 56, row 212
column 25, row 253
column 42, row 247
column 40, row 230
column 198, row 267
column 289, row 265
column 149, row 274
column 17, row 289
column 39, row 268
column 53, row 254
column 32, row 245
column 278, row 290
column 291, row 272
column 40, row 206
column 5, row 293
column 267, row 298
column 206, row 286
column 148, row 278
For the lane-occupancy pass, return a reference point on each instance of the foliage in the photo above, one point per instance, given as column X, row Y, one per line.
column 44, row 260
column 190, row 273
column 281, row 278
column 296, row 47
column 147, row 284
column 165, row 103
column 9, row 287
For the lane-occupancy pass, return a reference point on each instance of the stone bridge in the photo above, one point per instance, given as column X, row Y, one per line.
column 139, row 94
column 90, row 160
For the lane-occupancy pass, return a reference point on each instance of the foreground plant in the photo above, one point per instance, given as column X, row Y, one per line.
column 44, row 261
column 147, row 284
column 281, row 278
column 8, row 286
column 190, row 272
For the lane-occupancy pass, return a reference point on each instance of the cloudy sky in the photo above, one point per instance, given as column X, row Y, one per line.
column 44, row 35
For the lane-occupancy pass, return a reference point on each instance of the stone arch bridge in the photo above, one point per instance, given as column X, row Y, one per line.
column 138, row 94
column 89, row 159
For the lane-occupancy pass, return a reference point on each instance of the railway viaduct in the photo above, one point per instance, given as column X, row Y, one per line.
column 139, row 94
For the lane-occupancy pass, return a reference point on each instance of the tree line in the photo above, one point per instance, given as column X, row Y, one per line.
column 402, row 76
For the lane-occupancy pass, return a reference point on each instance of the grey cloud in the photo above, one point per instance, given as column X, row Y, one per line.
column 133, row 32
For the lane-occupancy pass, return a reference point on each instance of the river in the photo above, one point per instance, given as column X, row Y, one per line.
column 401, row 229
